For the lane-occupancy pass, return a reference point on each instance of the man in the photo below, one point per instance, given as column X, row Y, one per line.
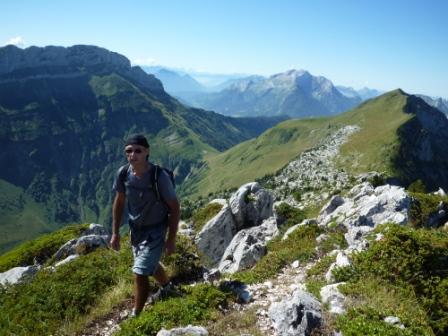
column 149, row 217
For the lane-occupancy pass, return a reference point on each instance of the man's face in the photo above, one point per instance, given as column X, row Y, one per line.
column 136, row 154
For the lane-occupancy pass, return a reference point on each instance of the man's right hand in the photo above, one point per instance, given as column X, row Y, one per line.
column 115, row 242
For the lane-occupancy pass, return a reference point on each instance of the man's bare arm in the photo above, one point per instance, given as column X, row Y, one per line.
column 173, row 223
column 117, row 215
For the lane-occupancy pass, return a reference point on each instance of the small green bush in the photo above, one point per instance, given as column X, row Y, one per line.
column 417, row 187
column 297, row 195
column 423, row 206
column 184, row 265
column 290, row 214
column 197, row 306
column 39, row 249
column 202, row 216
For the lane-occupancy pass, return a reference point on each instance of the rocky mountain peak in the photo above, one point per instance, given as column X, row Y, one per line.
column 14, row 59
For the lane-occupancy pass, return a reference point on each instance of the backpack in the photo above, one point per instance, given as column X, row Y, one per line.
column 157, row 170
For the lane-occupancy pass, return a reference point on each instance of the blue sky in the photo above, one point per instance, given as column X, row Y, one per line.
column 379, row 44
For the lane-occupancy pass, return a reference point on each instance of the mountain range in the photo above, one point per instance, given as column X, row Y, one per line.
column 64, row 113
column 295, row 93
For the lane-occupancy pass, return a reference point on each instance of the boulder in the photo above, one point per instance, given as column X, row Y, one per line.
column 216, row 235
column 247, row 247
column 81, row 246
column 334, row 298
column 18, row 274
column 297, row 315
column 250, row 205
column 342, row 260
column 185, row 331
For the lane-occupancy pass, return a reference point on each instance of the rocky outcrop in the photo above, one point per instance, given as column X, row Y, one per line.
column 315, row 170
column 18, row 274
column 250, row 205
column 247, row 247
column 365, row 208
column 96, row 236
column 297, row 315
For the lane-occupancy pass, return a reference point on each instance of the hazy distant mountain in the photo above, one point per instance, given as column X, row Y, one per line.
column 437, row 102
column 295, row 93
column 364, row 93
column 175, row 82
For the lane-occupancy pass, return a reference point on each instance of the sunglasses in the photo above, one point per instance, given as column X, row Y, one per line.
column 130, row 151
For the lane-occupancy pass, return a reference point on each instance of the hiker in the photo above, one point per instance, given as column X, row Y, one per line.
column 153, row 210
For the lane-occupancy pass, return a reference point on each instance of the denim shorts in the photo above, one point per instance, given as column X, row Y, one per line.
column 147, row 254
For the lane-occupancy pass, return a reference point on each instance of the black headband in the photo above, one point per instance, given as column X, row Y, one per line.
column 137, row 139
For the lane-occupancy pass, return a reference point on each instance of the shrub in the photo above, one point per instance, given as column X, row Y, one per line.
column 423, row 206
column 289, row 214
column 39, row 249
column 197, row 306
column 202, row 216
column 184, row 265
column 297, row 195
column 417, row 187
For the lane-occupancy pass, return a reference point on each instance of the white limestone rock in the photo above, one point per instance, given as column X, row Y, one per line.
column 299, row 314
column 248, row 246
column 18, row 274
column 185, row 331
column 331, row 295
column 216, row 235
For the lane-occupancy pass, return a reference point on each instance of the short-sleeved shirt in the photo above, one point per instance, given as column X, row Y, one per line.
column 139, row 191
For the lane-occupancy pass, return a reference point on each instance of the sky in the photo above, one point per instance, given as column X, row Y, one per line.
column 359, row 43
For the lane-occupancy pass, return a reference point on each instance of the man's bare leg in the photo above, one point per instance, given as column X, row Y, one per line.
column 160, row 275
column 141, row 291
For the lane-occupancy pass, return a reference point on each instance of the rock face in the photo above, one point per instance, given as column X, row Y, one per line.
column 17, row 274
column 216, row 235
column 247, row 247
column 298, row 315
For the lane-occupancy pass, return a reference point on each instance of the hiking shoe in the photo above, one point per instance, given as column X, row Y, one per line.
column 169, row 290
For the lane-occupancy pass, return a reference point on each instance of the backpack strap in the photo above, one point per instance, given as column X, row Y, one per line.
column 156, row 181
column 123, row 173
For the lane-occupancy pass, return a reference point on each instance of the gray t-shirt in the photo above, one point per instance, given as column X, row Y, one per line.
column 139, row 192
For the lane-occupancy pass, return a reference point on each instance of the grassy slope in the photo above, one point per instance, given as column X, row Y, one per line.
column 372, row 147
column 21, row 217
column 368, row 149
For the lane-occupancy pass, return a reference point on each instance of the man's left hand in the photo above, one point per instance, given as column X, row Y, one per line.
column 170, row 247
